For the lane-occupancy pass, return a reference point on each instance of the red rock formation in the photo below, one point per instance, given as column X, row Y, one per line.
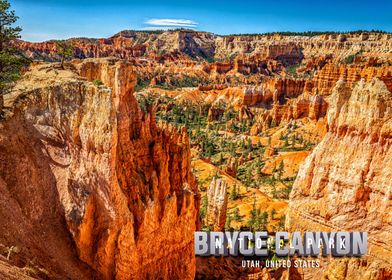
column 327, row 77
column 253, row 52
column 245, row 114
column 231, row 167
column 217, row 205
column 313, row 107
column 293, row 48
column 214, row 113
column 221, row 67
column 344, row 185
column 273, row 90
column 304, row 106
column 269, row 152
column 124, row 184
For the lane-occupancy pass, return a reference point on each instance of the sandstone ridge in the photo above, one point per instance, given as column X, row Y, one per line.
column 115, row 190
column 345, row 184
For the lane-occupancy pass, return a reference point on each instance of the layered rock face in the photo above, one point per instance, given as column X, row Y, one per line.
column 117, row 189
column 293, row 48
column 273, row 90
column 217, row 204
column 130, row 44
column 285, row 49
column 327, row 77
column 305, row 106
column 346, row 183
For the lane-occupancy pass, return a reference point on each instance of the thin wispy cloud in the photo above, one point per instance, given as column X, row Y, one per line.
column 162, row 23
column 149, row 28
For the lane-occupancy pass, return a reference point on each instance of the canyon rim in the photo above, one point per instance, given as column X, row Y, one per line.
column 114, row 151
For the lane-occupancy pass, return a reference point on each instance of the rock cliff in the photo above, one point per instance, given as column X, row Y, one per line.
column 345, row 184
column 217, row 205
column 204, row 45
column 326, row 78
column 115, row 190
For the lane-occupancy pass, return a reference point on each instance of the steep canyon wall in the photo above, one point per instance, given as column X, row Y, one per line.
column 92, row 185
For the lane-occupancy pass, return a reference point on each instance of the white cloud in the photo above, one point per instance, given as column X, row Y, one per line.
column 157, row 28
column 171, row 22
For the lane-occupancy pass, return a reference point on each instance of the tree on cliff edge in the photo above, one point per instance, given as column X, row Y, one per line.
column 64, row 50
column 11, row 61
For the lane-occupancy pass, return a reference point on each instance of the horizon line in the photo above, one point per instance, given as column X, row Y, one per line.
column 308, row 33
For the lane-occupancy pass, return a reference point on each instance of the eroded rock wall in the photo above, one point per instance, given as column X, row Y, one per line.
column 217, row 204
column 346, row 183
column 285, row 49
column 125, row 196
column 326, row 78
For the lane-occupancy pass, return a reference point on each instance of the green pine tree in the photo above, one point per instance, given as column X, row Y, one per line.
column 203, row 208
column 234, row 193
column 280, row 170
column 286, row 142
column 236, row 215
column 252, row 215
column 11, row 60
column 228, row 223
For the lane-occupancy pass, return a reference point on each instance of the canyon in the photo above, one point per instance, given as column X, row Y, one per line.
column 110, row 162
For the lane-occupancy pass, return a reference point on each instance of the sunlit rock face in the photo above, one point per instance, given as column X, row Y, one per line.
column 217, row 205
column 117, row 188
column 325, row 80
column 314, row 50
column 346, row 183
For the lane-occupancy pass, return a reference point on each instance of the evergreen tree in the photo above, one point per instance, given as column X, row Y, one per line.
column 281, row 166
column 293, row 139
column 258, row 226
column 203, row 208
column 250, row 146
column 234, row 192
column 286, row 142
column 253, row 215
column 281, row 169
column 264, row 218
column 228, row 222
column 11, row 60
column 237, row 216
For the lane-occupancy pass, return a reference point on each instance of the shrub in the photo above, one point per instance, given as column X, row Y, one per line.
column 97, row 83
column 349, row 59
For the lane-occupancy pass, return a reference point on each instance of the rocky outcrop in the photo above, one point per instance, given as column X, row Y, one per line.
column 287, row 53
column 314, row 107
column 304, row 106
column 217, row 204
column 345, row 184
column 215, row 113
column 130, row 44
column 231, row 167
column 115, row 190
column 287, row 50
column 273, row 90
column 245, row 114
column 327, row 77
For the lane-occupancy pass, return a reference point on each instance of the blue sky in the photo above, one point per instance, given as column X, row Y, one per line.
column 50, row 19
